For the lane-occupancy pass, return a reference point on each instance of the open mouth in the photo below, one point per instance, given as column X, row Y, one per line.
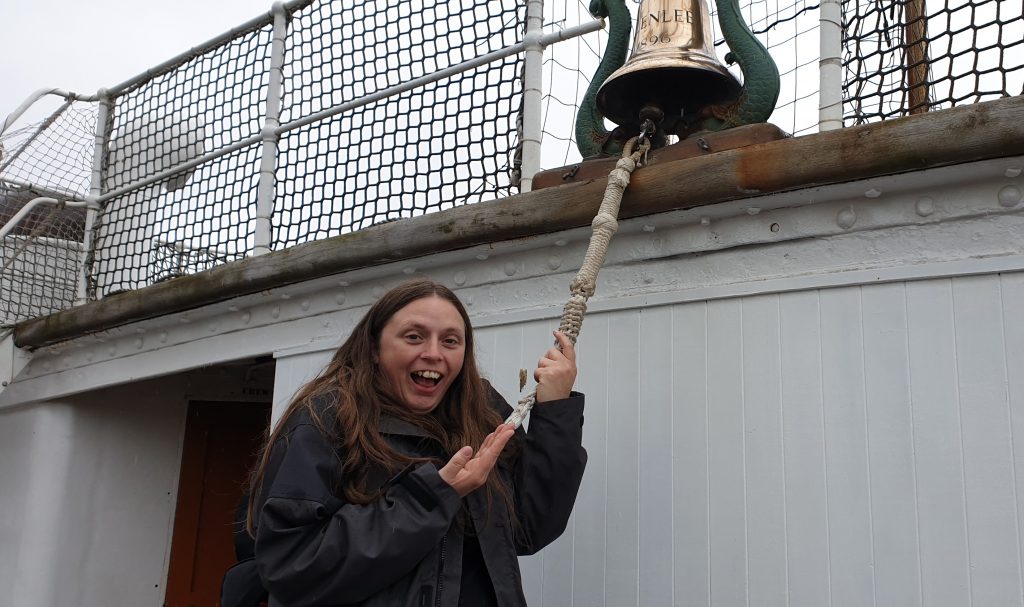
column 427, row 379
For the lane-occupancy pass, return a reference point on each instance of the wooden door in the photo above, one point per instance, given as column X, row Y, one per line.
column 221, row 443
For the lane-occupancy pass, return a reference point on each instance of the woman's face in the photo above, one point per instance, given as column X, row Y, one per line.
column 421, row 351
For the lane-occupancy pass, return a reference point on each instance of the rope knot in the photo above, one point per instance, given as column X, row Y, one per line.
column 582, row 288
column 619, row 178
column 605, row 221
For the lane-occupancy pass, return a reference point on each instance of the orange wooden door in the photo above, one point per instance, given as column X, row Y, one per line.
column 221, row 442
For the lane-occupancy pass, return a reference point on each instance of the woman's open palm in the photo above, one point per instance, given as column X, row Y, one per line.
column 467, row 471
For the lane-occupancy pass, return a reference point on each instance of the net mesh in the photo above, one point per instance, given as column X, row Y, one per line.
column 40, row 258
column 790, row 31
column 446, row 144
column 54, row 154
column 909, row 56
column 177, row 225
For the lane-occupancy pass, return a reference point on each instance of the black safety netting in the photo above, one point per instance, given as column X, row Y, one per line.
column 448, row 142
column 45, row 171
column 906, row 57
column 185, row 222
column 445, row 144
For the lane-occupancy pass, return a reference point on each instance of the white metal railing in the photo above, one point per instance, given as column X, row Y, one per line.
column 785, row 21
column 532, row 46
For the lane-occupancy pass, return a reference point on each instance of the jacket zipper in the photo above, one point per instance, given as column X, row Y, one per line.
column 440, row 572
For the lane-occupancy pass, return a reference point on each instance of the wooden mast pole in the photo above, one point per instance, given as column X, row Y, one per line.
column 916, row 36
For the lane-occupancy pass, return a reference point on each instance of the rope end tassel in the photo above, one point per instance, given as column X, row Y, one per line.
column 604, row 226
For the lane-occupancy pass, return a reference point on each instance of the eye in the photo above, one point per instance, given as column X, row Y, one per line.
column 413, row 337
column 452, row 341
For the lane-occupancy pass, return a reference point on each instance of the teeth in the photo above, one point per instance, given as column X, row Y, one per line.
column 428, row 374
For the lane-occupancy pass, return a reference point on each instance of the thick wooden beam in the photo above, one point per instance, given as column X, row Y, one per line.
column 975, row 132
column 598, row 168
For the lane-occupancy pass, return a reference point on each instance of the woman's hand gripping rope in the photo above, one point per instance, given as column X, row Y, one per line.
column 583, row 286
column 556, row 371
column 467, row 470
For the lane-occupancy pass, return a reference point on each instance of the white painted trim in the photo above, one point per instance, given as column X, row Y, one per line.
column 174, row 488
column 12, row 360
column 240, row 344
column 950, row 269
column 323, row 344
column 943, row 222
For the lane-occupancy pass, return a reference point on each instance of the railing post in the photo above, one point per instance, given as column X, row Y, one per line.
column 263, row 228
column 36, row 96
column 8, row 160
column 830, row 66
column 533, row 78
column 86, row 289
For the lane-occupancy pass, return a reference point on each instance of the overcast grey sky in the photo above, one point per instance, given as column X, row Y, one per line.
column 83, row 45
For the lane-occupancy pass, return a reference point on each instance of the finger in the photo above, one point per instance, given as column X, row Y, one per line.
column 488, row 440
column 456, row 467
column 568, row 349
column 495, row 441
column 499, row 438
column 462, row 457
column 502, row 427
column 551, row 358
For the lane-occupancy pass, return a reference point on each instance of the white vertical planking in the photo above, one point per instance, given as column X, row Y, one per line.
column 485, row 352
column 847, row 447
column 945, row 578
column 1012, row 293
column 557, row 558
column 727, row 519
column 55, row 450
column 765, row 474
column 690, row 482
column 502, row 352
column 890, row 446
column 803, row 436
column 655, row 469
column 846, row 450
column 558, row 562
column 622, row 555
column 291, row 373
column 590, row 513
column 507, row 356
column 988, row 453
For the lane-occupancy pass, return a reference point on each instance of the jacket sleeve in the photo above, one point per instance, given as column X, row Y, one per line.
column 312, row 548
column 547, row 470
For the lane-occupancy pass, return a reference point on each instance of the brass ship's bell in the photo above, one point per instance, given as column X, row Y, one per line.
column 673, row 66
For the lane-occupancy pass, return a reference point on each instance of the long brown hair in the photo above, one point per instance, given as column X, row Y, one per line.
column 356, row 391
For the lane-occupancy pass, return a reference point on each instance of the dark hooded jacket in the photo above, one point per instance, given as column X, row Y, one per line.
column 405, row 548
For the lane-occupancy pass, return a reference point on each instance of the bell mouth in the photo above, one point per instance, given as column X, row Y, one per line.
column 677, row 90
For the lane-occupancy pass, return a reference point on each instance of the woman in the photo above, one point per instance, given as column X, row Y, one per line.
column 391, row 479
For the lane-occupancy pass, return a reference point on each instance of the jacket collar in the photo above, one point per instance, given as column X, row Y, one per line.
column 391, row 425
